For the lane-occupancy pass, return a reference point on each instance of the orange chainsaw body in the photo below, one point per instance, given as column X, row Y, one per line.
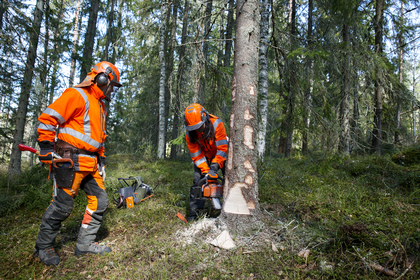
column 212, row 190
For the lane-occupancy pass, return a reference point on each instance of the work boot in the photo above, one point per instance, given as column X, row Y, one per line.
column 93, row 248
column 47, row 256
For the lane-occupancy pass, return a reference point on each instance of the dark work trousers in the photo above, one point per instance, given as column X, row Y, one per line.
column 62, row 204
column 197, row 205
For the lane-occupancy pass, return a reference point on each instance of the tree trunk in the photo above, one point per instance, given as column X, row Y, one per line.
column 162, row 122
column 308, row 91
column 344, row 144
column 241, row 184
column 379, row 89
column 15, row 156
column 229, row 29
column 75, row 43
column 291, row 80
column 263, row 77
column 109, row 33
column 180, row 80
column 400, row 75
column 87, row 61
column 206, row 34
column 170, row 59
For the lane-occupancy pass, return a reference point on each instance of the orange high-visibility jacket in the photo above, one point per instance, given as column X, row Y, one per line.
column 215, row 149
column 79, row 114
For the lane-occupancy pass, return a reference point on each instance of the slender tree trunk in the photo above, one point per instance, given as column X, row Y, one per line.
column 75, row 43
column 355, row 121
column 15, row 156
column 241, row 184
column 87, row 61
column 379, row 89
column 263, row 77
column 229, row 29
column 344, row 144
column 109, row 30
column 162, row 122
column 170, row 58
column 308, row 91
column 207, row 21
column 180, row 79
column 400, row 75
column 291, row 80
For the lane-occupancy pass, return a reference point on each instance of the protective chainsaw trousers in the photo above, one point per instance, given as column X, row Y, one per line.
column 62, row 204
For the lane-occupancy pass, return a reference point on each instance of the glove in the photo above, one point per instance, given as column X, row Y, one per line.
column 101, row 168
column 212, row 175
column 46, row 151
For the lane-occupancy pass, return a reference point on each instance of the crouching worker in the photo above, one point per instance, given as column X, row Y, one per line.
column 207, row 143
column 79, row 114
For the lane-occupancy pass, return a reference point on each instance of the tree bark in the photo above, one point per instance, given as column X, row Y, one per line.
column 162, row 129
column 379, row 89
column 291, row 81
column 15, row 156
column 229, row 29
column 87, row 61
column 109, row 30
column 263, row 77
column 400, row 74
column 75, row 43
column 344, row 144
column 241, row 185
column 170, row 59
column 180, row 80
column 308, row 90
column 206, row 34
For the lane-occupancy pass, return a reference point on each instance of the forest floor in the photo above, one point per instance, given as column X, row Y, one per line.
column 322, row 218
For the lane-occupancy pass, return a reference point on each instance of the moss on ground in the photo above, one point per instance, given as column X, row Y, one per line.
column 350, row 213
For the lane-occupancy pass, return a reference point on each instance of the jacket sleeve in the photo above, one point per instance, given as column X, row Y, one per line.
column 197, row 155
column 70, row 103
column 221, row 143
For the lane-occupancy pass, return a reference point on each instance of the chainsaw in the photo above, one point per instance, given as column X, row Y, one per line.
column 213, row 190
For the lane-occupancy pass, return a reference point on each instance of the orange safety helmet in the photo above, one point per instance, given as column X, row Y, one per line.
column 195, row 116
column 109, row 72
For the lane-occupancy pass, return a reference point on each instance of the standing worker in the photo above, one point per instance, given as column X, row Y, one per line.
column 208, row 145
column 79, row 114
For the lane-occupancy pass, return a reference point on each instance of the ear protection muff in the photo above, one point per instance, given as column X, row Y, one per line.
column 102, row 78
column 204, row 115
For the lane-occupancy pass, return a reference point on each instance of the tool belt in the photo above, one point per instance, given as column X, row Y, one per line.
column 64, row 173
column 67, row 150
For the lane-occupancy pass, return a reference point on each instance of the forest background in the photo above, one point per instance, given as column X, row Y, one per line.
column 335, row 78
column 334, row 75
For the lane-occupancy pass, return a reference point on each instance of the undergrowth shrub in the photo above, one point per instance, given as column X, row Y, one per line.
column 30, row 190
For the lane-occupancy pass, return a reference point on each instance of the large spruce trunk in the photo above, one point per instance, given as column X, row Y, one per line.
column 241, row 184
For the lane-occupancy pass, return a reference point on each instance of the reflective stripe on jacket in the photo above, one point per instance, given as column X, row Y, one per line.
column 79, row 114
column 215, row 149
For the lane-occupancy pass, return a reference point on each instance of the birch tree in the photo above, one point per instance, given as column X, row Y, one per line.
column 162, row 122
column 15, row 156
column 241, row 184
column 76, row 36
column 263, row 77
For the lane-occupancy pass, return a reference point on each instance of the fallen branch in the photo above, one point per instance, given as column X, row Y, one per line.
column 382, row 269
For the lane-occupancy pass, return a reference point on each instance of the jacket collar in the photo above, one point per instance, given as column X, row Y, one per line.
column 96, row 92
